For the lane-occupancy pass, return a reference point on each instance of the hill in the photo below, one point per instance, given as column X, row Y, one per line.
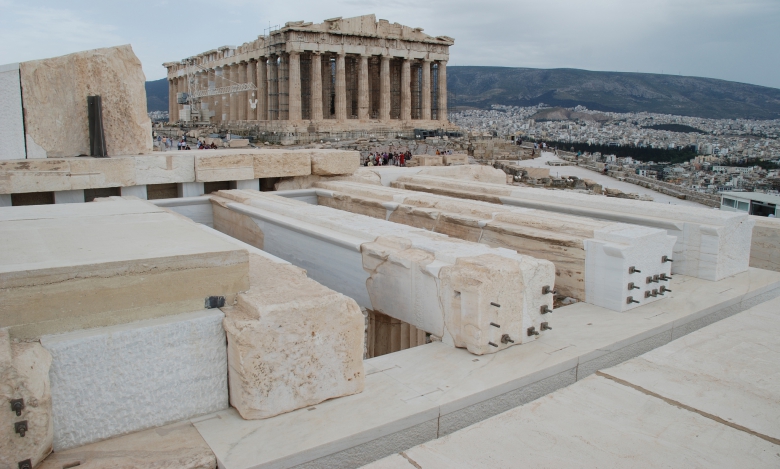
column 480, row 87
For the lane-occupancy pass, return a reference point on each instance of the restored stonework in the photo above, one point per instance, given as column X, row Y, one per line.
column 54, row 95
column 292, row 342
column 334, row 162
column 24, row 374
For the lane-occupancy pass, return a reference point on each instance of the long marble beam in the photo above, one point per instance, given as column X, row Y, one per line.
column 613, row 265
column 711, row 244
column 472, row 296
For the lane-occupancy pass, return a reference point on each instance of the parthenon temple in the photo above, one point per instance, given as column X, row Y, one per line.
column 342, row 74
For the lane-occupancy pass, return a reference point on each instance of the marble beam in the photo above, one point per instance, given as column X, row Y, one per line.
column 406, row 90
column 384, row 89
column 295, row 86
column 711, row 244
column 592, row 258
column 341, row 88
column 449, row 288
column 426, row 90
column 316, row 87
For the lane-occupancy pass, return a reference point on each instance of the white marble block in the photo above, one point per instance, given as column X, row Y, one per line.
column 711, row 244
column 11, row 116
column 115, row 380
column 450, row 288
column 292, row 342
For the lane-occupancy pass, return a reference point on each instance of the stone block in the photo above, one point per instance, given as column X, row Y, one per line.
column 238, row 143
column 282, row 163
column 167, row 168
column 115, row 380
column 178, row 445
column 472, row 172
column 55, row 94
column 223, row 165
column 74, row 266
column 455, row 159
column 765, row 244
column 537, row 173
column 334, row 162
column 428, row 160
column 24, row 374
column 292, row 342
column 65, row 174
column 11, row 116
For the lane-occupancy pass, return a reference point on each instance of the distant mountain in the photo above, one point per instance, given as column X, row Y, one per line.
column 480, row 87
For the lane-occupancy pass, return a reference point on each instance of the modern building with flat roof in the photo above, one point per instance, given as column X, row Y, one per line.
column 755, row 203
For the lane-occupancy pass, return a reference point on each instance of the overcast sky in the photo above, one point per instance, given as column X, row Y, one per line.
column 736, row 40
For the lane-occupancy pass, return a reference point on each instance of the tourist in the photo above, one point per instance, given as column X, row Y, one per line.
column 401, row 160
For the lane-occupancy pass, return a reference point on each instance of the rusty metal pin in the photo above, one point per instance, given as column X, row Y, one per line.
column 491, row 343
column 506, row 339
column 630, row 300
column 495, row 325
column 495, row 304
column 545, row 309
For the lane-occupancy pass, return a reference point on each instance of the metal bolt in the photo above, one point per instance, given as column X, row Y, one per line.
column 491, row 343
column 532, row 331
column 505, row 339
column 666, row 259
column 545, row 309
column 632, row 270
column 664, row 289
column 495, row 304
column 647, row 294
column 17, row 405
column 664, row 277
column 546, row 327
column 649, row 280
column 631, row 286
column 20, row 427
column 655, row 292
column 655, row 278
column 495, row 325
column 630, row 300
column 546, row 290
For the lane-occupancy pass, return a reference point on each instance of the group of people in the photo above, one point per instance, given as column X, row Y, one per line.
column 168, row 143
column 387, row 159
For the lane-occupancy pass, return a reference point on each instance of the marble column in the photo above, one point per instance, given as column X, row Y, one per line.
column 363, row 88
column 171, row 99
column 316, row 87
column 273, row 88
column 426, row 90
column 182, row 87
column 406, row 90
column 443, row 91
column 251, row 77
column 384, row 89
column 225, row 97
column 341, row 88
column 295, row 86
column 233, row 96
column 243, row 99
column 218, row 99
column 262, row 89
column 283, row 89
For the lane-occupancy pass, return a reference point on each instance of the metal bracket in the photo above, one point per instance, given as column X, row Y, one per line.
column 547, row 290
column 630, row 300
column 17, row 405
column 215, row 302
column 532, row 331
column 631, row 286
column 545, row 309
column 546, row 327
column 506, row 339
column 666, row 259
column 633, row 270
column 20, row 427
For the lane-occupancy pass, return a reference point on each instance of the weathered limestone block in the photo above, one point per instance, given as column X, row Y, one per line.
column 54, row 93
column 225, row 165
column 75, row 266
column 407, row 273
column 238, row 143
column 334, row 162
column 282, row 163
column 307, row 182
column 456, row 159
column 592, row 258
column 175, row 446
column 24, row 374
column 427, row 160
column 765, row 245
column 711, row 244
column 469, row 172
column 167, row 168
column 65, row 174
column 292, row 342
column 110, row 381
column 537, row 173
